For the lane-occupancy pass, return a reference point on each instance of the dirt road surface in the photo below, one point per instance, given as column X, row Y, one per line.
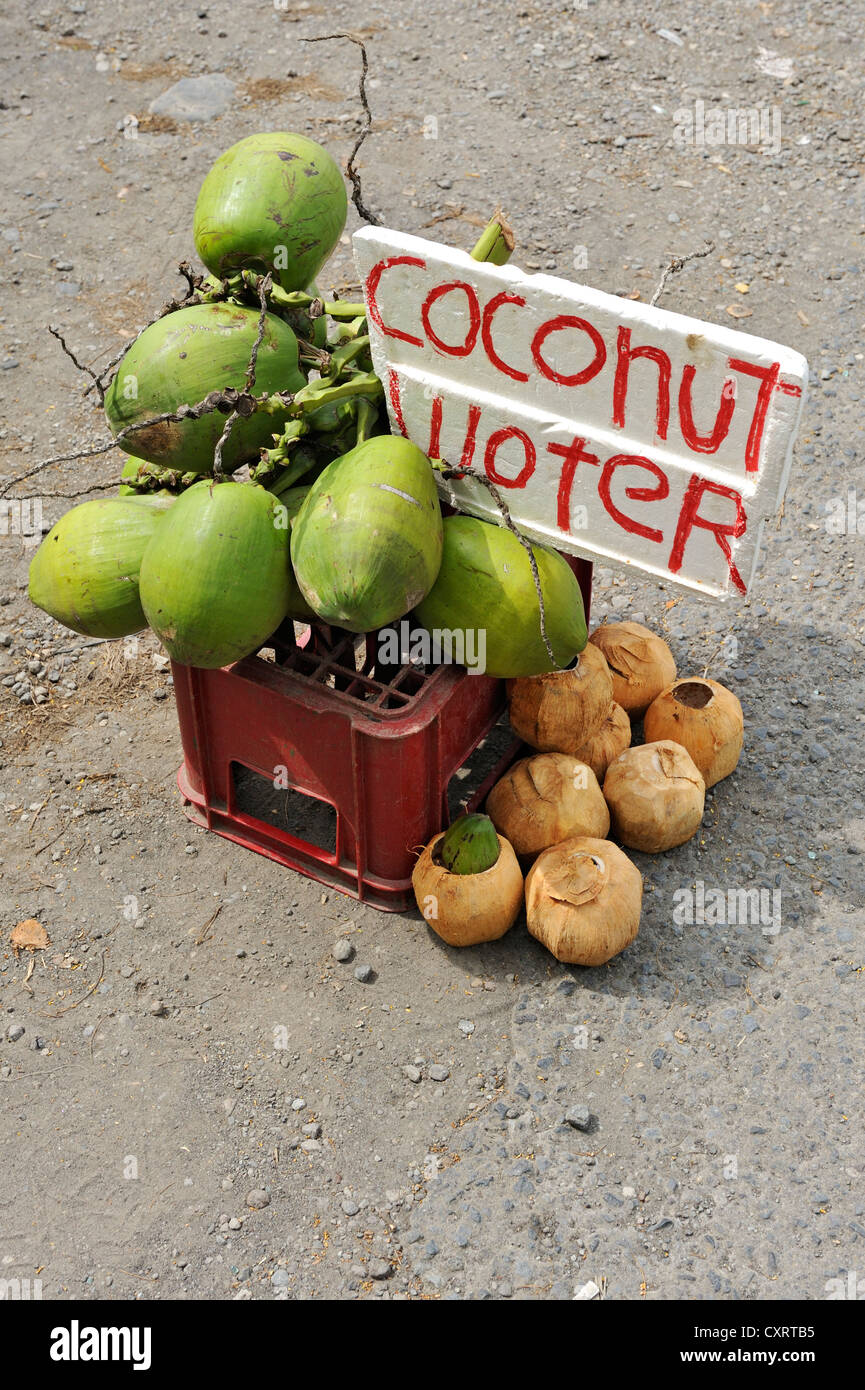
column 204, row 1102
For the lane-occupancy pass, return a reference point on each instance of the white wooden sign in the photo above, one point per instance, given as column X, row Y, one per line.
column 616, row 431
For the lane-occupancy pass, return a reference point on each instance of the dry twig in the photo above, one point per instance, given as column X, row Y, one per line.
column 350, row 169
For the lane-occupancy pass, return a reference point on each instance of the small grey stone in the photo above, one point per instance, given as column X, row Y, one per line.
column 15, row 1031
column 413, row 1073
column 195, row 98
column 350, row 1207
column 578, row 1117
column 257, row 1199
column 280, row 1279
column 158, row 1009
column 379, row 1269
column 343, row 950
column 312, row 1131
column 364, row 973
column 466, row 1027
column 438, row 1073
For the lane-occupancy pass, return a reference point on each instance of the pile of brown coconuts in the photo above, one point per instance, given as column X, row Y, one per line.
column 555, row 811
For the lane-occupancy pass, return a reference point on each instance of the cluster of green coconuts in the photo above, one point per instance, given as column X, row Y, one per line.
column 334, row 517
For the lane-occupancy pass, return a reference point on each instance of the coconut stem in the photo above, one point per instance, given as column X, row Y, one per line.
column 324, row 392
column 367, row 414
column 299, row 299
column 496, row 242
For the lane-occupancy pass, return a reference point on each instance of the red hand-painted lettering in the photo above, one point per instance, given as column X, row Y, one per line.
column 496, row 439
column 722, row 531
column 626, row 355
column 487, row 333
column 768, row 379
column 372, row 283
column 555, row 326
column 571, row 454
column 466, row 347
column 635, row 494
column 705, row 443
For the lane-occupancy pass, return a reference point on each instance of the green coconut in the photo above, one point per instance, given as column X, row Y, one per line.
column 367, row 542
column 274, row 201
column 485, row 587
column 178, row 361
column 216, row 581
column 85, row 572
column 469, row 846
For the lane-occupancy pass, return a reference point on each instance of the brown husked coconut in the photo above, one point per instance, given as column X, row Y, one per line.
column 656, row 796
column 609, row 740
column 641, row 664
column 465, row 909
column 545, row 799
column 558, row 712
column 583, row 900
column 706, row 718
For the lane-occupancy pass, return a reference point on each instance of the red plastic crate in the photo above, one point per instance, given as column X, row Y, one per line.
column 378, row 747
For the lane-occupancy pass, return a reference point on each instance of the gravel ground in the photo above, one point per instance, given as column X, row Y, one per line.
column 206, row 1102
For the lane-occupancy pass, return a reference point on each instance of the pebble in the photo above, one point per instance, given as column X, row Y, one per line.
column 257, row 1198
column 466, row 1027
column 343, row 950
column 350, row 1207
column 158, row 1009
column 364, row 973
column 15, row 1031
column 578, row 1117
column 413, row 1073
column 312, row 1131
column 584, row 1292
column 280, row 1279
column 438, row 1073
column 379, row 1269
column 195, row 98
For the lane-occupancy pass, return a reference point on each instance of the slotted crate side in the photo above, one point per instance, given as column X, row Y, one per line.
column 386, row 776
